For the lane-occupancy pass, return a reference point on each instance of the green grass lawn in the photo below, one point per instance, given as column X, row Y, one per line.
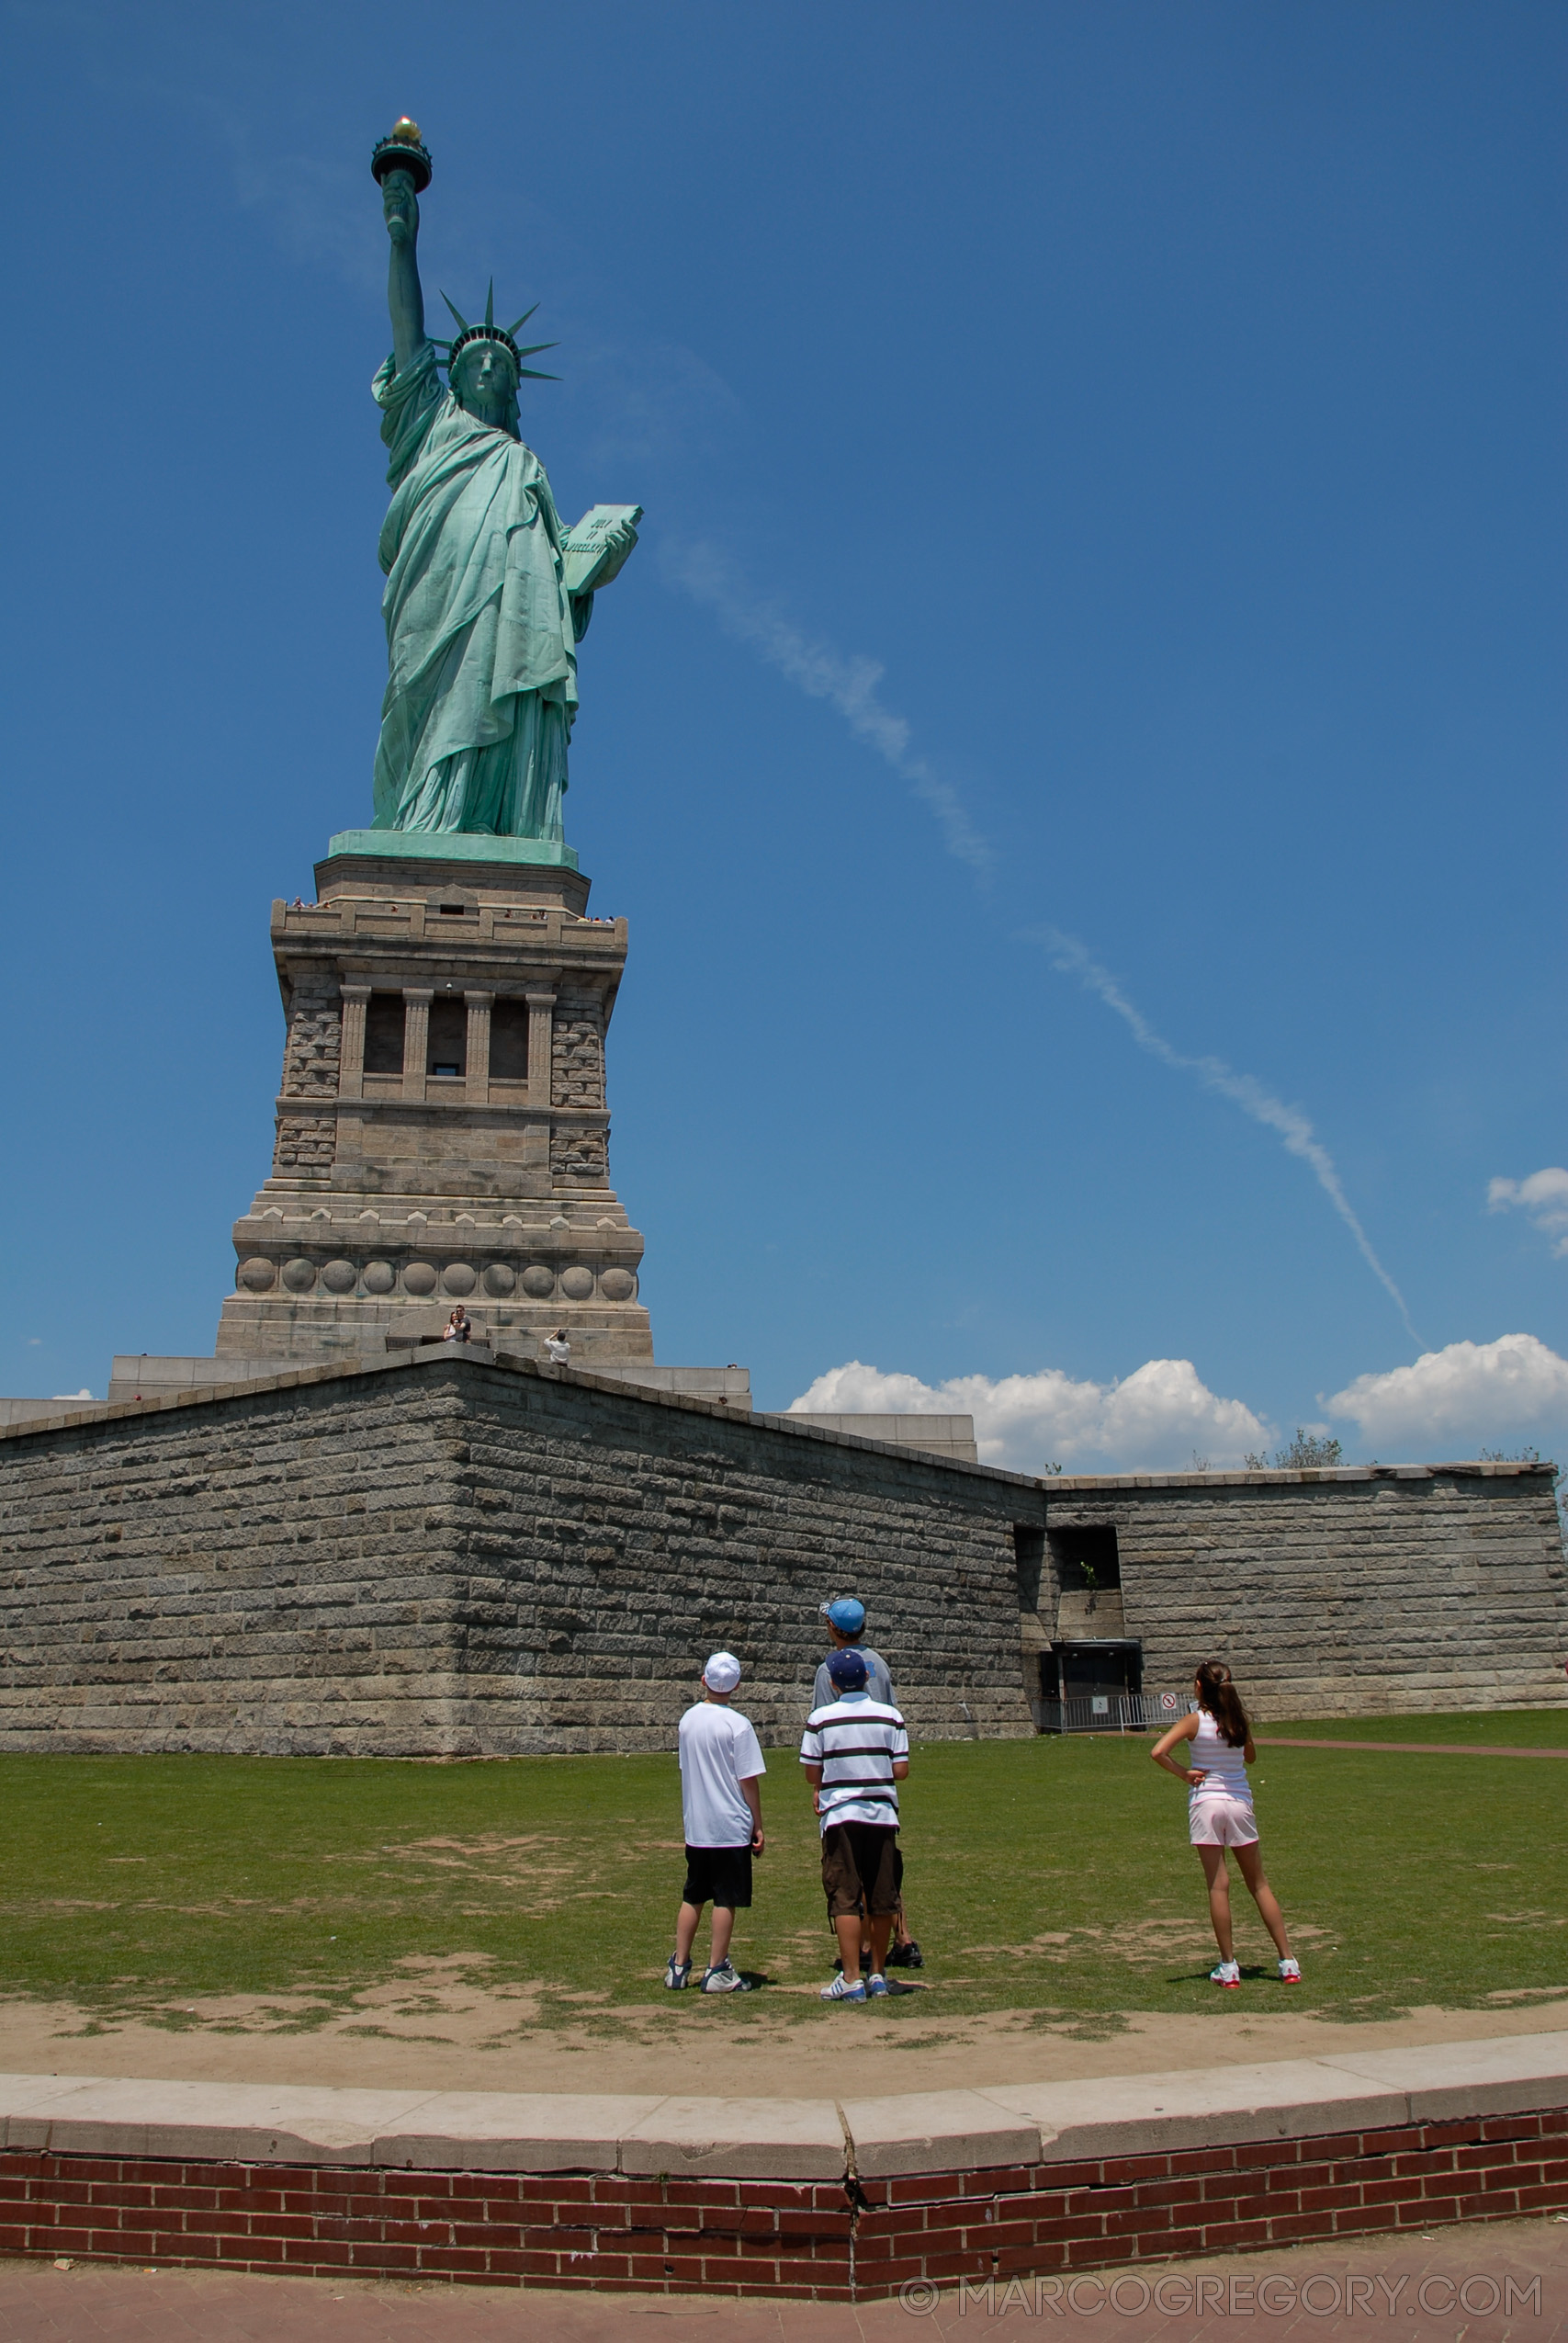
column 1513, row 1728
column 1050, row 1876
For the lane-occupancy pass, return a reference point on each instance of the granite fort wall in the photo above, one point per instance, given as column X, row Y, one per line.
column 1356, row 1593
column 442, row 1556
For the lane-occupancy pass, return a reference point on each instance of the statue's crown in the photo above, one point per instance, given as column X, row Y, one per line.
column 491, row 332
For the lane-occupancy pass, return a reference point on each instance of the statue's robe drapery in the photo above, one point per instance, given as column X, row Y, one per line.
column 481, row 634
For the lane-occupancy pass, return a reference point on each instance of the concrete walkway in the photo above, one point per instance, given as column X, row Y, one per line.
column 1509, row 2279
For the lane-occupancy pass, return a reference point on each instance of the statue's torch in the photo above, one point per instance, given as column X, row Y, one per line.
column 403, row 149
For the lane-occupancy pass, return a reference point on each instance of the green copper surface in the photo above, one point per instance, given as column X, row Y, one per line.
column 454, row 846
column 485, row 604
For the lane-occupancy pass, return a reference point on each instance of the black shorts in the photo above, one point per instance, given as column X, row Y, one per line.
column 861, row 1868
column 718, row 1875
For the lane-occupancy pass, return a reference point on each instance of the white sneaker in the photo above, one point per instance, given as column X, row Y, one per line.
column 724, row 1979
column 677, row 1975
column 1226, row 1973
column 841, row 1991
column 1289, row 1972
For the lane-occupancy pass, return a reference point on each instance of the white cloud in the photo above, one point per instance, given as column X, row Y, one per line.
column 1150, row 1421
column 71, row 1394
column 1544, row 1196
column 1469, row 1395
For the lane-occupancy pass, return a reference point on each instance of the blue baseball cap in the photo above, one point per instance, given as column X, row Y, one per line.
column 848, row 1670
column 846, row 1614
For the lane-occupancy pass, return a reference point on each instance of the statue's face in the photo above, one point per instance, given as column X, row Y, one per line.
column 486, row 382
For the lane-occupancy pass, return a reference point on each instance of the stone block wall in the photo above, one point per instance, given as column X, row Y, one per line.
column 1356, row 1592
column 307, row 1144
column 577, row 1076
column 446, row 1557
column 313, row 1046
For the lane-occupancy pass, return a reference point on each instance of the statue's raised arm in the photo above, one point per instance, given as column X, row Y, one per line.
column 405, row 295
column 486, row 600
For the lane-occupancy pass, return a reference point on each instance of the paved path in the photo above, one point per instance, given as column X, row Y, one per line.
column 1439, row 2288
column 1426, row 1749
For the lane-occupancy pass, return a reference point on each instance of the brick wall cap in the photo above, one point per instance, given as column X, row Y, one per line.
column 515, row 2131
column 937, row 2131
column 241, row 2122
column 647, row 2136
column 777, row 2139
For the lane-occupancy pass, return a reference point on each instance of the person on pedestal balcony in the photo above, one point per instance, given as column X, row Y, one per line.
column 482, row 630
column 558, row 1348
column 459, row 1327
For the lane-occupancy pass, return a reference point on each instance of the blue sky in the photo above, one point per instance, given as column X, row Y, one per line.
column 1105, row 490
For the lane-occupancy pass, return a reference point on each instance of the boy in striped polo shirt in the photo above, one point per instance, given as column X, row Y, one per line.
column 855, row 1752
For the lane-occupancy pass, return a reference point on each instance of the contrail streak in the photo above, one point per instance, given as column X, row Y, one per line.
column 848, row 685
column 1074, row 960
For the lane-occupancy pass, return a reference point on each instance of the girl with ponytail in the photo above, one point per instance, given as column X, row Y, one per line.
column 1220, row 1811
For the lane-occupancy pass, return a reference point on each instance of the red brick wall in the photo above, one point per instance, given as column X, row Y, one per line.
column 776, row 2236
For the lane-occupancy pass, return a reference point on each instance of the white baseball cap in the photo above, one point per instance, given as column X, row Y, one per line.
column 722, row 1673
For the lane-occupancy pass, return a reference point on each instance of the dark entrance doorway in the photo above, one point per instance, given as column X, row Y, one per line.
column 1085, row 1686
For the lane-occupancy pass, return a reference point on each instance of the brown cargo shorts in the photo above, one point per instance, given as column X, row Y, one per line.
column 861, row 1868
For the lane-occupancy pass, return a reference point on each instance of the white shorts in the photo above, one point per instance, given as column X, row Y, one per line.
column 1219, row 1821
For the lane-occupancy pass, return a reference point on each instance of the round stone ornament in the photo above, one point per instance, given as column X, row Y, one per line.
column 419, row 1277
column 256, row 1275
column 458, row 1277
column 299, row 1275
column 380, row 1277
column 339, row 1277
column 577, row 1283
column 499, row 1279
column 617, row 1285
column 538, row 1281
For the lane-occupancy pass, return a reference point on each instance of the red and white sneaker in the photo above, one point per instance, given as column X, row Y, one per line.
column 1226, row 1973
column 1289, row 1972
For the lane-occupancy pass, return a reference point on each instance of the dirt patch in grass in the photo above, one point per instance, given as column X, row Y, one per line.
column 450, row 2031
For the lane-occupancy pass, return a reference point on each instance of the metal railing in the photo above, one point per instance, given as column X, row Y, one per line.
column 1111, row 1712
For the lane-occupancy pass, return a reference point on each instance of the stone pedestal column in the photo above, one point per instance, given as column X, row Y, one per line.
column 351, row 1065
column 416, row 1038
column 477, row 1056
column 492, row 1186
column 541, row 1015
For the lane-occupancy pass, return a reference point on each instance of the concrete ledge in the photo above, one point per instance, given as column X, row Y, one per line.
column 804, row 2139
column 937, row 2131
column 749, row 2139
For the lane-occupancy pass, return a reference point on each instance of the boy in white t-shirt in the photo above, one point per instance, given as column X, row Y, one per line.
column 722, row 1808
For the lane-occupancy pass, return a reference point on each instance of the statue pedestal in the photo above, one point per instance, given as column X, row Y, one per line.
column 453, row 846
column 442, row 1125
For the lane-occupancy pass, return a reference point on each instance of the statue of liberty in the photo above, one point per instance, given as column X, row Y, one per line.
column 487, row 595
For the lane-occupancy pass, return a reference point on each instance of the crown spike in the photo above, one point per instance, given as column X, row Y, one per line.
column 532, row 374
column 456, row 313
column 519, row 322
column 535, row 348
column 489, row 304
